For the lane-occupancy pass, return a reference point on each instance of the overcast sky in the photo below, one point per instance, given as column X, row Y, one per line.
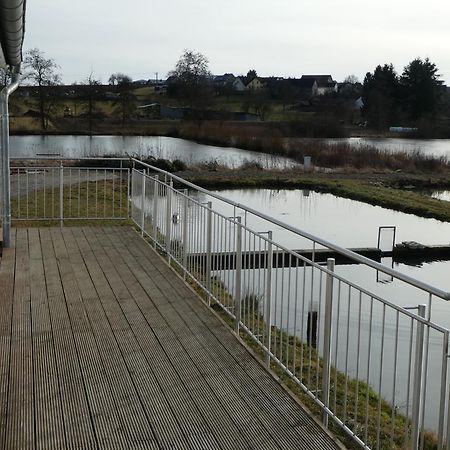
column 274, row 37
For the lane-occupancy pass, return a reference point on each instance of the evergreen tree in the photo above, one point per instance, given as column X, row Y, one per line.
column 421, row 87
column 381, row 93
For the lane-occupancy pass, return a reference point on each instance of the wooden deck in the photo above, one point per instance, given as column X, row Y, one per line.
column 102, row 346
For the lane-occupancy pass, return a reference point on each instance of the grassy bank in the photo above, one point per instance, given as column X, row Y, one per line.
column 380, row 191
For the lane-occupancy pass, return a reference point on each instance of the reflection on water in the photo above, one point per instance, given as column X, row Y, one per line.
column 351, row 223
column 431, row 147
column 143, row 146
column 374, row 340
column 441, row 195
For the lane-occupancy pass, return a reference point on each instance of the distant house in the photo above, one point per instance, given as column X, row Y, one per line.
column 325, row 83
column 239, row 84
column 359, row 104
column 222, row 80
column 307, row 87
column 256, row 84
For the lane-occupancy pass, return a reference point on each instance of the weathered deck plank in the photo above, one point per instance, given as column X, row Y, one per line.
column 20, row 421
column 48, row 411
column 7, row 271
column 236, row 362
column 102, row 346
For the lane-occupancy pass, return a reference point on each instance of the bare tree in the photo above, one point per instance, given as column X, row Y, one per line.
column 125, row 105
column 351, row 79
column 119, row 78
column 190, row 80
column 43, row 73
column 90, row 96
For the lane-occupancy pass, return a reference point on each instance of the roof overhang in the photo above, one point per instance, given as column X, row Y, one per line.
column 12, row 30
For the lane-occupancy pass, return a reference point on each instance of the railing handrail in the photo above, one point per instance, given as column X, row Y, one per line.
column 343, row 251
column 64, row 158
column 311, row 263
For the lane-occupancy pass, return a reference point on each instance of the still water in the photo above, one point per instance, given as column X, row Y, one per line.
column 345, row 222
column 142, row 146
column 351, row 223
column 430, row 147
column 191, row 152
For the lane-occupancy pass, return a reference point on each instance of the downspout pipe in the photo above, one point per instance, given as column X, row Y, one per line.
column 6, row 177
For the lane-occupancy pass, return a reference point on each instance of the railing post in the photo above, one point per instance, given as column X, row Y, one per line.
column 443, row 394
column 327, row 337
column 448, row 410
column 143, row 204
column 61, row 196
column 169, row 219
column 238, row 287
column 185, row 232
column 268, row 305
column 155, row 210
column 418, row 375
column 128, row 193
column 208, row 251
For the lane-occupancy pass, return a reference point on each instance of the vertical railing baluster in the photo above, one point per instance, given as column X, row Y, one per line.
column 327, row 337
column 268, row 305
column 169, row 219
column 208, row 250
column 143, row 203
column 238, row 268
column 61, row 195
column 155, row 210
column 443, row 395
column 185, row 232
column 418, row 375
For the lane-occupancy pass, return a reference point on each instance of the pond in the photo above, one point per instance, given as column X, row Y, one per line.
column 348, row 223
column 142, row 146
column 351, row 223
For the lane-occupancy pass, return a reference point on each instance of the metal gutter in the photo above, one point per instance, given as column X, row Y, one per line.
column 6, row 188
column 12, row 30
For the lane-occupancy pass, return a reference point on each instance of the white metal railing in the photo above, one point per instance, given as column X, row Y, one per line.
column 377, row 370
column 49, row 192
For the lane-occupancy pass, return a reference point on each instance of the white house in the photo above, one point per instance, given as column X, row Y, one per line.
column 325, row 83
column 256, row 84
column 239, row 85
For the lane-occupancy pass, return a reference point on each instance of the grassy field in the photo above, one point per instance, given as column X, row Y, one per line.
column 89, row 203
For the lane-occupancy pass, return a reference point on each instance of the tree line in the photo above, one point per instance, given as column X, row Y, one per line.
column 414, row 97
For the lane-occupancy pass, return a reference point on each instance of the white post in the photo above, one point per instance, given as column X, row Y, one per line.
column 208, row 251
column 268, row 305
column 61, row 196
column 169, row 219
column 418, row 375
column 238, row 268
column 327, row 333
column 185, row 231
column 155, row 210
column 143, row 203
